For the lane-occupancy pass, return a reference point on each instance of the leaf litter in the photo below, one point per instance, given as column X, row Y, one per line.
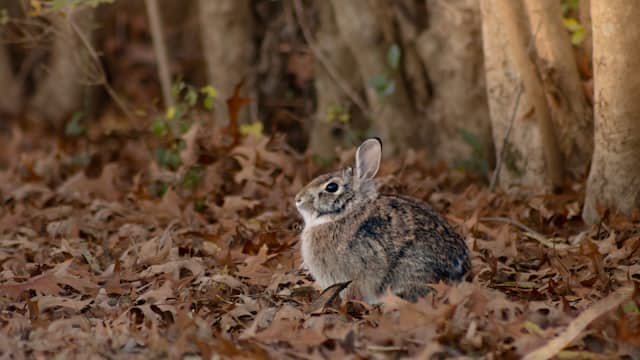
column 101, row 265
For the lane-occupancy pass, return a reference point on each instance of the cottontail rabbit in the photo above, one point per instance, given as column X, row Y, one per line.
column 377, row 241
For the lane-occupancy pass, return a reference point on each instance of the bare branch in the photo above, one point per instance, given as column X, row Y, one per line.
column 160, row 48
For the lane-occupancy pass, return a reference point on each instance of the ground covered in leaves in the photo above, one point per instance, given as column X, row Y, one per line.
column 104, row 252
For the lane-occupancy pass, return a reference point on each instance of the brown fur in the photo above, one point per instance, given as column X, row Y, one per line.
column 376, row 241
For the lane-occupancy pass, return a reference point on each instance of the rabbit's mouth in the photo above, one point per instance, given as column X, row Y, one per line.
column 311, row 216
column 305, row 209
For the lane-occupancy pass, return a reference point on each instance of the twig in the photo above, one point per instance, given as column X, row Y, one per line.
column 160, row 48
column 528, row 232
column 580, row 323
column 102, row 76
column 496, row 172
column 317, row 52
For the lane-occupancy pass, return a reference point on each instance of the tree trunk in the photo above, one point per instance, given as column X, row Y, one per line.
column 570, row 111
column 60, row 92
column 226, row 28
column 451, row 50
column 392, row 114
column 160, row 49
column 516, row 136
column 527, row 147
column 332, row 102
column 614, row 179
column 11, row 99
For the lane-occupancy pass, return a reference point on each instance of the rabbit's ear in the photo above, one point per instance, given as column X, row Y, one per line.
column 368, row 158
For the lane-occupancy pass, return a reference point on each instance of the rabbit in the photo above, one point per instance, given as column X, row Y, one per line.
column 377, row 241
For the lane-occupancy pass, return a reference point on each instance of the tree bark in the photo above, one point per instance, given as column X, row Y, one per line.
column 614, row 178
column 451, row 50
column 60, row 92
column 393, row 116
column 571, row 114
column 160, row 49
column 329, row 96
column 515, row 135
column 11, row 99
column 527, row 147
column 226, row 28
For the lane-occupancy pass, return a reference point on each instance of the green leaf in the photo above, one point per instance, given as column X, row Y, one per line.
column 382, row 85
column 191, row 97
column 159, row 127
column 177, row 88
column 578, row 36
column 578, row 32
column 210, row 94
column 630, row 308
column 171, row 112
column 168, row 158
column 184, row 126
column 571, row 24
column 470, row 138
column 74, row 127
column 209, row 91
column 254, row 129
column 393, row 56
column 158, row 188
column 192, row 177
column 570, row 5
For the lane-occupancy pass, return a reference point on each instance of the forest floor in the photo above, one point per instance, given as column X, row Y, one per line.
column 111, row 255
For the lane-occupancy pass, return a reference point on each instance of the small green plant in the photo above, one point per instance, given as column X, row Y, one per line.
column 578, row 32
column 394, row 54
column 171, row 126
column 569, row 6
column 192, row 177
column 383, row 83
column 254, row 128
column 74, row 126
column 338, row 113
column 477, row 161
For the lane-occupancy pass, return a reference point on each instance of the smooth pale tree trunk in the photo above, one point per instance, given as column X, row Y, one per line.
column 363, row 29
column 451, row 50
column 332, row 102
column 226, row 29
column 516, row 135
column 614, row 178
column 571, row 114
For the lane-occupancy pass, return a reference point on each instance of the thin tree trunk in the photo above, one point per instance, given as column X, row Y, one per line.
column 392, row 115
column 515, row 134
column 572, row 115
column 226, row 29
column 160, row 48
column 518, row 36
column 614, row 179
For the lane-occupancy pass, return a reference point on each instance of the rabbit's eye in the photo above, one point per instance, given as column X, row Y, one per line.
column 331, row 187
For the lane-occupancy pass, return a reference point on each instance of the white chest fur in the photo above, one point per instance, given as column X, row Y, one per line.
column 320, row 270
